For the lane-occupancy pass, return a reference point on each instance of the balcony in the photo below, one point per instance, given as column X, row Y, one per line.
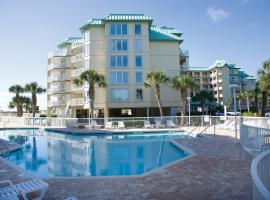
column 56, row 103
column 57, row 54
column 56, row 66
column 221, row 95
column 77, row 102
column 220, row 88
column 57, row 91
column 220, row 80
column 76, row 45
column 76, row 58
column 58, row 78
column 76, row 88
column 77, row 72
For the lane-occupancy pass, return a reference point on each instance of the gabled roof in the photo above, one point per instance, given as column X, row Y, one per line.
column 68, row 41
column 159, row 33
column 116, row 17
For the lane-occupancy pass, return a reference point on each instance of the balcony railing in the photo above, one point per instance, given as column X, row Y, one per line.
column 76, row 58
column 76, row 87
column 76, row 45
column 57, row 91
column 57, row 53
column 56, row 103
column 56, row 66
column 76, row 72
column 58, row 78
column 77, row 102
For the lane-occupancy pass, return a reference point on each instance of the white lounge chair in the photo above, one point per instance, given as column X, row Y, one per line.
column 108, row 125
column 121, row 125
column 170, row 124
column 23, row 189
column 94, row 124
column 147, row 124
column 159, row 124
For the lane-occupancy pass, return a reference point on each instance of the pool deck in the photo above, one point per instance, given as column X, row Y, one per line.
column 219, row 170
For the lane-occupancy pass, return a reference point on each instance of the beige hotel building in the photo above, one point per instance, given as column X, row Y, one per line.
column 123, row 47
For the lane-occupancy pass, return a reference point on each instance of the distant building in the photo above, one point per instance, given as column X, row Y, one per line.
column 218, row 78
column 124, row 47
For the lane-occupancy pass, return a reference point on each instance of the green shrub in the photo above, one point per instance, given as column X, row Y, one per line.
column 249, row 114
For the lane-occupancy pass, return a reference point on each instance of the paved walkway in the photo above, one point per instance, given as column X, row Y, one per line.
column 219, row 170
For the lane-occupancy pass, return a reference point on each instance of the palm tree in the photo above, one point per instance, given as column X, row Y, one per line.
column 17, row 100
column 264, row 84
column 204, row 97
column 34, row 89
column 240, row 96
column 155, row 79
column 93, row 79
column 27, row 104
column 183, row 83
column 18, row 103
column 249, row 95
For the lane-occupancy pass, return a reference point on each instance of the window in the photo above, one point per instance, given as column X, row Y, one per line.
column 119, row 77
column 86, row 36
column 138, row 29
column 118, row 45
column 139, row 95
column 138, row 77
column 118, row 29
column 119, row 95
column 86, row 50
column 119, row 61
column 138, row 61
column 86, row 64
column 138, row 45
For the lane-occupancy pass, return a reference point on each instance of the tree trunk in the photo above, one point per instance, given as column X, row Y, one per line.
column 158, row 100
column 34, row 104
column 248, row 106
column 239, row 104
column 264, row 103
column 18, row 111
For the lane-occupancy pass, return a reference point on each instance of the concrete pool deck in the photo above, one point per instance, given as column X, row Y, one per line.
column 219, row 170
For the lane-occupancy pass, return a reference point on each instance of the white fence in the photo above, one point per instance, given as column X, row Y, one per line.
column 260, row 173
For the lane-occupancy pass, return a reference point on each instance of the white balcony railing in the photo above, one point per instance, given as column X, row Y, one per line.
column 260, row 174
column 76, row 45
column 56, row 66
column 76, row 72
column 57, row 53
column 75, row 88
column 56, row 103
column 77, row 102
column 58, row 78
column 76, row 58
column 57, row 90
column 220, row 80
column 220, row 88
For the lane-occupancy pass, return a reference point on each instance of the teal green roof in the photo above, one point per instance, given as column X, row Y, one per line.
column 159, row 33
column 68, row 41
column 198, row 69
column 127, row 17
column 116, row 17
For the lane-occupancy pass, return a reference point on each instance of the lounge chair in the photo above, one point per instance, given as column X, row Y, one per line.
column 170, row 124
column 121, row 125
column 159, row 124
column 94, row 124
column 147, row 124
column 108, row 125
column 23, row 189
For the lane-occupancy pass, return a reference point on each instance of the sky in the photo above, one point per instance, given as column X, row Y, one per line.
column 235, row 30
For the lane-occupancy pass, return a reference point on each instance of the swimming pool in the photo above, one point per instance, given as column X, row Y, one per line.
column 49, row 154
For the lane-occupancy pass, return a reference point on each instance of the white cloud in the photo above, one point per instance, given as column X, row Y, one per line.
column 217, row 15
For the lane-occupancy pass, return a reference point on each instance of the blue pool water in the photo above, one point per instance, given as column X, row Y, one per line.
column 47, row 154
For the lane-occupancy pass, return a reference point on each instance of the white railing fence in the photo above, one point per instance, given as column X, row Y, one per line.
column 260, row 173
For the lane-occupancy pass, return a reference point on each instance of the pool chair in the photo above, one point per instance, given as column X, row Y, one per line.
column 159, row 124
column 94, row 124
column 121, row 125
column 109, row 125
column 170, row 124
column 147, row 124
column 23, row 189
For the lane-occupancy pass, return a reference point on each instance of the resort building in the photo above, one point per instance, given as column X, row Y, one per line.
column 218, row 78
column 123, row 47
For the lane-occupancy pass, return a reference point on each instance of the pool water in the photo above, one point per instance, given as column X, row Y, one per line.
column 48, row 154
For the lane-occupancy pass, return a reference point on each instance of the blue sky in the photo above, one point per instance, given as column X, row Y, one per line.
column 235, row 30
